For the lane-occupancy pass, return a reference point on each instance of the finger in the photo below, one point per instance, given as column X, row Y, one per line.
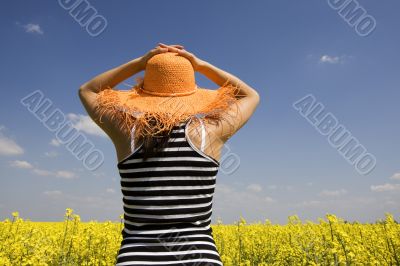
column 170, row 48
column 184, row 52
column 173, row 45
column 159, row 50
column 178, row 46
column 164, row 47
column 174, row 49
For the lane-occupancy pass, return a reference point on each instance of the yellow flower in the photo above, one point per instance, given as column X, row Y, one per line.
column 95, row 243
column 68, row 212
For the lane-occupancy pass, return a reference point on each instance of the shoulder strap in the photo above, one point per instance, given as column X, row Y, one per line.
column 133, row 138
column 203, row 135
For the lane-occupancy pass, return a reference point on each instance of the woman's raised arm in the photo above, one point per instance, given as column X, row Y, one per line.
column 248, row 99
column 109, row 79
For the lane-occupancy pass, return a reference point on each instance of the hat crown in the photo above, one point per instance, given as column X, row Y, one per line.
column 169, row 74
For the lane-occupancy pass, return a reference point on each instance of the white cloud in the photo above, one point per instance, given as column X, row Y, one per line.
column 232, row 196
column 51, row 154
column 329, row 59
column 309, row 203
column 87, row 201
column 225, row 189
column 254, row 187
column 100, row 174
column 332, row 193
column 21, row 164
column 85, row 123
column 60, row 174
column 385, row 187
column 272, row 187
column 33, row 28
column 268, row 199
column 8, row 146
column 55, row 142
column 395, row 176
column 65, row 174
column 53, row 193
column 42, row 172
column 110, row 190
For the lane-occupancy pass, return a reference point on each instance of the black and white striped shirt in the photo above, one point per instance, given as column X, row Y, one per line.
column 167, row 203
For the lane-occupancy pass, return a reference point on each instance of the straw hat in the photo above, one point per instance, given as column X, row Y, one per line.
column 167, row 95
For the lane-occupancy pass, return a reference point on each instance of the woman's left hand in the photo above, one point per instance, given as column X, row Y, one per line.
column 157, row 50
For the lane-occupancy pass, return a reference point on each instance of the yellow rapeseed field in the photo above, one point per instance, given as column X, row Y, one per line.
column 331, row 241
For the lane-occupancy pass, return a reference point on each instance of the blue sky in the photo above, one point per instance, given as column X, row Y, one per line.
column 283, row 49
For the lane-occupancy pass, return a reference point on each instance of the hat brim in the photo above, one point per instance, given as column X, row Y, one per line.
column 137, row 106
column 196, row 102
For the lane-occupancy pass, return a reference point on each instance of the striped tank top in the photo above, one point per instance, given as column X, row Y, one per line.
column 167, row 203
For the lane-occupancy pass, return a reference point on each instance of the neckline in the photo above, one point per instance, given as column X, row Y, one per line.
column 180, row 125
column 119, row 163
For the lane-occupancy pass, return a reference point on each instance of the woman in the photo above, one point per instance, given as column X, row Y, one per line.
column 168, row 155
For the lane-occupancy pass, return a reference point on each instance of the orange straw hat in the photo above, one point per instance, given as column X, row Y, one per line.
column 167, row 95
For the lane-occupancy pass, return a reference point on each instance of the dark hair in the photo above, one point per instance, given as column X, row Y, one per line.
column 152, row 144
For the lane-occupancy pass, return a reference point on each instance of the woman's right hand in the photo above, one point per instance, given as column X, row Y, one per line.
column 196, row 62
column 157, row 50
